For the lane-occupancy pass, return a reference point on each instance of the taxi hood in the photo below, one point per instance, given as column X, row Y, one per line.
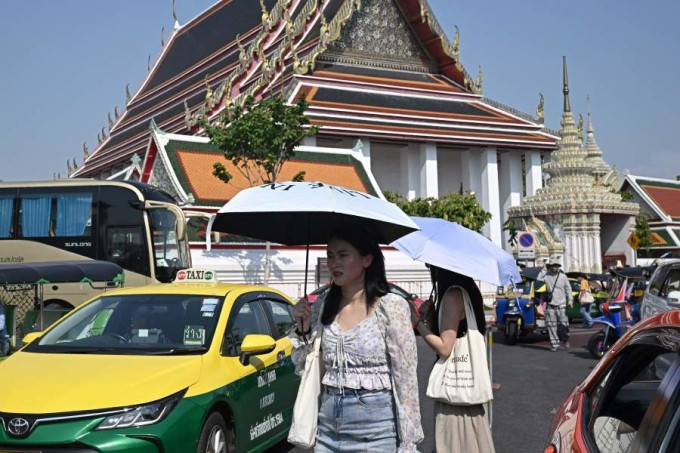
column 35, row 383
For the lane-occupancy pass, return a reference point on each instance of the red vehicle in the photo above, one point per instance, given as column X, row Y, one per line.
column 630, row 402
column 398, row 290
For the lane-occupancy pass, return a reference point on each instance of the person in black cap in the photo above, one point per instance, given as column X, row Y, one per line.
column 557, row 296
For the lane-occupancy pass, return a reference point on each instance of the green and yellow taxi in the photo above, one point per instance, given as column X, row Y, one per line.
column 191, row 366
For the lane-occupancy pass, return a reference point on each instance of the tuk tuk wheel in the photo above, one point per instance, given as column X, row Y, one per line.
column 512, row 333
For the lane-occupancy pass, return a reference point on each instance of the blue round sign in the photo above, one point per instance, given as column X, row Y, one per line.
column 526, row 240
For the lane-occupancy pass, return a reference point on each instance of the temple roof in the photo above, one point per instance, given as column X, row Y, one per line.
column 379, row 68
column 661, row 195
column 182, row 166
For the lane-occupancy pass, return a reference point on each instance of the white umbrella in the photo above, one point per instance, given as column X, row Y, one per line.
column 451, row 246
column 304, row 213
column 299, row 213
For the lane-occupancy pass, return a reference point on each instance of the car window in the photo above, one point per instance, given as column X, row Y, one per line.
column 671, row 283
column 621, row 399
column 248, row 319
column 282, row 315
column 657, row 280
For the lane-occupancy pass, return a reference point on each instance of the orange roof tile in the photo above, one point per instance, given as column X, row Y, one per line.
column 197, row 167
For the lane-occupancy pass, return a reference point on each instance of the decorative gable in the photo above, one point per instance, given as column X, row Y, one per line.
column 378, row 35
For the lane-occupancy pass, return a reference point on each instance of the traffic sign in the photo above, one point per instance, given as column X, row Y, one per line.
column 526, row 246
column 633, row 240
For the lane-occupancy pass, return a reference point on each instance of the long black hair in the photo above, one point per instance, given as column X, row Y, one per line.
column 375, row 282
column 443, row 279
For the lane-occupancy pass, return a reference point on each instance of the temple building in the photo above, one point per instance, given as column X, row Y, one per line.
column 386, row 87
column 578, row 216
column 660, row 200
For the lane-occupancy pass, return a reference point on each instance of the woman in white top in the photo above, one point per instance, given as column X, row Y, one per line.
column 369, row 353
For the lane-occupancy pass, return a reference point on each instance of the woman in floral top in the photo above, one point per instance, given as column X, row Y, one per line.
column 370, row 389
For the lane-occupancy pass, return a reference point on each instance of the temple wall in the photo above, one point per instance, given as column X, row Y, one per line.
column 615, row 231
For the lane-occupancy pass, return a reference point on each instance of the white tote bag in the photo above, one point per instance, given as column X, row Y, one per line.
column 306, row 410
column 463, row 378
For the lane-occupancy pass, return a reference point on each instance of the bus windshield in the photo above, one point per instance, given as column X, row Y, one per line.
column 170, row 251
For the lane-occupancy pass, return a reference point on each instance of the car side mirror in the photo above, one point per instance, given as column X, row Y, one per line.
column 29, row 337
column 255, row 345
column 674, row 298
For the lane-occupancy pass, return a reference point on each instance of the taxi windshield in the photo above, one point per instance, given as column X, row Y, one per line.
column 136, row 324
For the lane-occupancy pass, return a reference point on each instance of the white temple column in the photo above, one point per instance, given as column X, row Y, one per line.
column 429, row 183
column 366, row 152
column 490, row 200
column 470, row 171
column 534, row 172
column 510, row 186
column 410, row 170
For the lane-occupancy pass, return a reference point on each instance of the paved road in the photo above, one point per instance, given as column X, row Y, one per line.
column 533, row 382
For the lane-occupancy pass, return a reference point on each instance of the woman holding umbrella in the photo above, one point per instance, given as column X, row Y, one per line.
column 370, row 391
column 457, row 427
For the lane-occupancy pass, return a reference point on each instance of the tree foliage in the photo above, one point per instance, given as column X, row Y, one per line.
column 460, row 208
column 643, row 231
column 510, row 227
column 258, row 138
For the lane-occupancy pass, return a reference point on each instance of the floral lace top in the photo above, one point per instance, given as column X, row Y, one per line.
column 392, row 317
column 356, row 358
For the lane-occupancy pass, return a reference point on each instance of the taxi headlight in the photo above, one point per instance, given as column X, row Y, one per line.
column 146, row 414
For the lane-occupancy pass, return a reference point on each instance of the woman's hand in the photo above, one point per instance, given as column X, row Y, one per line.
column 427, row 309
column 302, row 313
column 414, row 315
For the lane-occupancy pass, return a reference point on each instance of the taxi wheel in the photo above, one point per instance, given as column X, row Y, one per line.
column 215, row 437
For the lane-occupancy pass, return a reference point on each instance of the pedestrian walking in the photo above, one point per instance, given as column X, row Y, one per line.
column 585, row 299
column 557, row 297
column 369, row 394
column 459, row 427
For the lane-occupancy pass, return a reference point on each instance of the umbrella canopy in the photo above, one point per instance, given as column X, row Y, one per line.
column 303, row 213
column 451, row 246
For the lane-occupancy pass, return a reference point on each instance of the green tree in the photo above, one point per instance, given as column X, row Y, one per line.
column 643, row 232
column 258, row 138
column 510, row 227
column 460, row 208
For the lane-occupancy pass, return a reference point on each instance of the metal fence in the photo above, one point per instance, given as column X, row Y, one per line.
column 22, row 298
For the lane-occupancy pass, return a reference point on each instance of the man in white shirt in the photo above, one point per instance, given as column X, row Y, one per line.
column 557, row 296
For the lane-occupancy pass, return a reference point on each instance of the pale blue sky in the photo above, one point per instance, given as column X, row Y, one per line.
column 64, row 65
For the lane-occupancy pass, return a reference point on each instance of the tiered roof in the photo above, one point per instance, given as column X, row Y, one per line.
column 375, row 68
column 572, row 187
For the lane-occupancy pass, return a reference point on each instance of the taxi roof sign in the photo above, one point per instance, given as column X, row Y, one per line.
column 195, row 275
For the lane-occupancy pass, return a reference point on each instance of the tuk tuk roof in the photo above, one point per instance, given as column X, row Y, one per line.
column 60, row 272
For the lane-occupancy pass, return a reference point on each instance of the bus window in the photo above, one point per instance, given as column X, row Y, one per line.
column 6, row 210
column 36, row 213
column 74, row 214
column 126, row 248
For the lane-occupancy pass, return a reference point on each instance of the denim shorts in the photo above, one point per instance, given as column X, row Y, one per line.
column 358, row 421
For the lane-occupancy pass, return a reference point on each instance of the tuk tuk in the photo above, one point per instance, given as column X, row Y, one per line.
column 21, row 290
column 516, row 312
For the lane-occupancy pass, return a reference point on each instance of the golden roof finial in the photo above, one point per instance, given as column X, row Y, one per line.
column 174, row 13
column 86, row 152
column 265, row 14
column 75, row 164
column 110, row 120
column 128, row 96
column 162, row 38
column 478, row 82
column 539, row 109
column 242, row 55
column 456, row 39
column 69, row 170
